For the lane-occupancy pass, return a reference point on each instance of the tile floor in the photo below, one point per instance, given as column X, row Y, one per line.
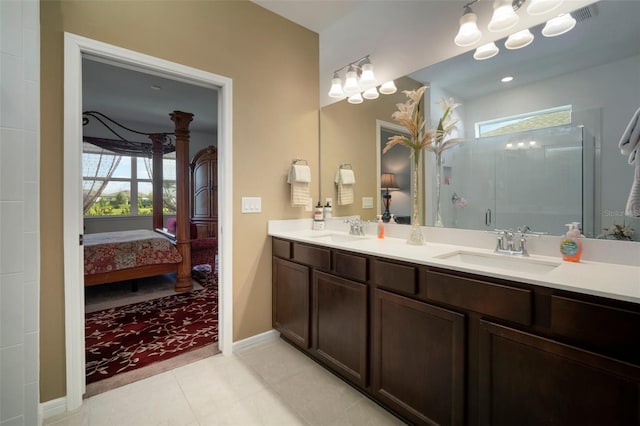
column 269, row 384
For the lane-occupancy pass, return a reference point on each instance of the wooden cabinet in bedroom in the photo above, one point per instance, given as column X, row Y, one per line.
column 204, row 192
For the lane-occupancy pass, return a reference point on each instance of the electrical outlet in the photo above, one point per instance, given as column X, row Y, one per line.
column 367, row 202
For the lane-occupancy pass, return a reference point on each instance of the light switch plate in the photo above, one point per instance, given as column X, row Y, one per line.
column 251, row 204
column 367, row 202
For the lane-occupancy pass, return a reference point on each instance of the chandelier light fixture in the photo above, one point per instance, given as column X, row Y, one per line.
column 359, row 82
column 505, row 18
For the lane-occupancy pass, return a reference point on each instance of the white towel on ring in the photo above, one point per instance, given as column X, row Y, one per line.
column 633, row 202
column 630, row 145
column 299, row 173
column 345, row 177
column 299, row 178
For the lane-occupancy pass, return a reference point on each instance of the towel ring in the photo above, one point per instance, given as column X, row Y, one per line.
column 299, row 160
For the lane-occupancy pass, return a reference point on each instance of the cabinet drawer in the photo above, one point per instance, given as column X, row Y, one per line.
column 607, row 330
column 312, row 256
column 511, row 304
column 281, row 248
column 394, row 276
column 351, row 266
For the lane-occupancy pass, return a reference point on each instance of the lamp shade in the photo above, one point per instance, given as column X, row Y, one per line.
column 469, row 32
column 388, row 88
column 559, row 25
column 486, row 51
column 504, row 17
column 388, row 181
column 367, row 78
column 336, row 88
column 371, row 93
column 540, row 7
column 519, row 40
column 355, row 99
column 351, row 86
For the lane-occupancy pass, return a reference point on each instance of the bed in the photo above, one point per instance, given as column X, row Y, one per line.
column 124, row 255
column 127, row 255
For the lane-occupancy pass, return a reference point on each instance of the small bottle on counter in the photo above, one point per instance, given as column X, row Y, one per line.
column 380, row 227
column 318, row 218
column 328, row 211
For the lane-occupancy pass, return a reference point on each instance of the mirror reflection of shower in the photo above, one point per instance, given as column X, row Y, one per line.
column 533, row 178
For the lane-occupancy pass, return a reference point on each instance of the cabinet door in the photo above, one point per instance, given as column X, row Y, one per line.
column 340, row 325
column 530, row 380
column 290, row 298
column 418, row 359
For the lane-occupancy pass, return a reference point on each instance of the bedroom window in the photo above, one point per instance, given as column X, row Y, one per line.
column 120, row 185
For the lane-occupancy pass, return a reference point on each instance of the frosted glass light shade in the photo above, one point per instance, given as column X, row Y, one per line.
column 519, row 40
column 540, row 7
column 336, row 88
column 367, row 78
column 371, row 93
column 355, row 99
column 559, row 25
column 388, row 88
column 486, row 51
column 469, row 32
column 504, row 17
column 351, row 86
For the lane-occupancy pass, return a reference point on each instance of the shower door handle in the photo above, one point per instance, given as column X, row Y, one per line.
column 487, row 217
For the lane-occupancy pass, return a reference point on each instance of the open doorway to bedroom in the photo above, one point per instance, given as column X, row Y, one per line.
column 79, row 52
column 138, row 326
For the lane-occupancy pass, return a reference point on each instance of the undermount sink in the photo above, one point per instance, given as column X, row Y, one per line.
column 520, row 264
column 340, row 238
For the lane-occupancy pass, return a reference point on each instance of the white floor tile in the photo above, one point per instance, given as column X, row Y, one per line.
column 269, row 385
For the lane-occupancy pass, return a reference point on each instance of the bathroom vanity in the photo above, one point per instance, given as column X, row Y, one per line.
column 437, row 340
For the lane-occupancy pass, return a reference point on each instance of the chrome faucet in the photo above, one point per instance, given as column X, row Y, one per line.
column 508, row 244
column 356, row 227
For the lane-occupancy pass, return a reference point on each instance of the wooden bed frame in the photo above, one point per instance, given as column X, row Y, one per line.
column 183, row 269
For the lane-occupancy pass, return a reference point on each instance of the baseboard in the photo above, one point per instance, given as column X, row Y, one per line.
column 53, row 407
column 258, row 339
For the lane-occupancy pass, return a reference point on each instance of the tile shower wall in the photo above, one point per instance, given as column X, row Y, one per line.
column 19, row 211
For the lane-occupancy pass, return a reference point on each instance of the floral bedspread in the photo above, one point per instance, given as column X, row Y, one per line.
column 112, row 251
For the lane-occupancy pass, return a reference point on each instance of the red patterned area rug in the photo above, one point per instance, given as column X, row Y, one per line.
column 129, row 337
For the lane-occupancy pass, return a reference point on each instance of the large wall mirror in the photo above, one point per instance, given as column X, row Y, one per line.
column 541, row 150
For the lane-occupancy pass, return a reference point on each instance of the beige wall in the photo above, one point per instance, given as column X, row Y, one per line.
column 348, row 135
column 273, row 123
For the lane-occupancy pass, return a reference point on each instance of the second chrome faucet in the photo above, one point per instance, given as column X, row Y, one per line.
column 514, row 243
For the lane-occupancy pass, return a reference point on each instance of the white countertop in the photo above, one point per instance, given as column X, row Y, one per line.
column 614, row 281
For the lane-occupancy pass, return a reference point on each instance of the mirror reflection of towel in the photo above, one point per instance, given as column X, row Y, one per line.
column 630, row 145
column 345, row 179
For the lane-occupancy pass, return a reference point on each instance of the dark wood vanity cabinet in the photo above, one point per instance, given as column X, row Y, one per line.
column 340, row 325
column 418, row 359
column 440, row 347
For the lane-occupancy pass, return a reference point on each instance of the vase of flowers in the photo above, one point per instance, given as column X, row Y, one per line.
column 440, row 143
column 410, row 117
column 421, row 138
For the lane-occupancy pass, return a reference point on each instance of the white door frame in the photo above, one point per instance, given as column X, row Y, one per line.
column 74, row 48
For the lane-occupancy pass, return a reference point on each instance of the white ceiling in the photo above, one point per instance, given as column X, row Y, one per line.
column 401, row 36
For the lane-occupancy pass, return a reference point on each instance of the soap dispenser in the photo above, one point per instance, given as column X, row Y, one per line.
column 380, row 227
column 571, row 244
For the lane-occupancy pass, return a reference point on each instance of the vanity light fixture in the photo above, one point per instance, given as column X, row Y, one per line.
column 360, row 81
column 506, row 79
column 504, row 18
column 559, row 25
column 519, row 40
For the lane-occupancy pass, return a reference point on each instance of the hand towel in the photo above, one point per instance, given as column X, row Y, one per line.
column 299, row 178
column 299, row 173
column 633, row 202
column 345, row 179
column 630, row 140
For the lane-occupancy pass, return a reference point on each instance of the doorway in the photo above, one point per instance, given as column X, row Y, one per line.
column 75, row 48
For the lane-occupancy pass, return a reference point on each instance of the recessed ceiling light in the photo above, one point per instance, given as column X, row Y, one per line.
column 156, row 87
column 506, row 79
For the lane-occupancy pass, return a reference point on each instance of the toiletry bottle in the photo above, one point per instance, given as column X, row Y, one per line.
column 393, row 218
column 571, row 246
column 380, row 227
column 318, row 213
column 328, row 211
